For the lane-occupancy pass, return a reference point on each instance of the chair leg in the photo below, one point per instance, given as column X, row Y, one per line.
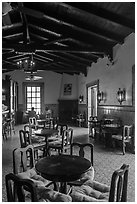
column 123, row 148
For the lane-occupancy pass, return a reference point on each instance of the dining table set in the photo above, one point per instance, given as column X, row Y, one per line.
column 105, row 128
column 59, row 168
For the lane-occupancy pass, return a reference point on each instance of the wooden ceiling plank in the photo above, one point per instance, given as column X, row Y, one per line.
column 12, row 29
column 77, row 58
column 38, row 14
column 103, row 13
column 36, row 47
column 43, row 31
column 43, row 57
column 64, row 59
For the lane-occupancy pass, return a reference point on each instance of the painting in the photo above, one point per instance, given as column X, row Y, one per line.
column 67, row 89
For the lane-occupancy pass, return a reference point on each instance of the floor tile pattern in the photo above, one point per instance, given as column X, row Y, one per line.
column 105, row 160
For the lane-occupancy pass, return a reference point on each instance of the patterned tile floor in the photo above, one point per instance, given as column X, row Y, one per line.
column 105, row 160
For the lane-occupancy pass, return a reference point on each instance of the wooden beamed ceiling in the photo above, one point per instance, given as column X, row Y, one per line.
column 63, row 37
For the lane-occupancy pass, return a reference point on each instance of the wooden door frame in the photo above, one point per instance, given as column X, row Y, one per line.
column 93, row 83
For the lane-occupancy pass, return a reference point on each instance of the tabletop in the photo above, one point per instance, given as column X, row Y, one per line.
column 45, row 132
column 62, row 168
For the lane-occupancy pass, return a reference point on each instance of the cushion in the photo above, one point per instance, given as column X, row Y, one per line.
column 118, row 137
column 53, row 138
column 97, row 186
column 32, row 175
column 88, row 175
column 91, row 191
column 51, row 195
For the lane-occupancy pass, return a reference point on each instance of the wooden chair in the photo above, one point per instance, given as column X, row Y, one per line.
column 27, row 139
column 14, row 182
column 35, row 194
column 81, row 120
column 119, row 182
column 79, row 149
column 93, row 191
column 23, row 166
column 63, row 142
column 60, row 127
column 33, row 124
column 124, row 138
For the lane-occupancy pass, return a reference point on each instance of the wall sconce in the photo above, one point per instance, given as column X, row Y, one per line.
column 100, row 96
column 121, row 95
column 81, row 98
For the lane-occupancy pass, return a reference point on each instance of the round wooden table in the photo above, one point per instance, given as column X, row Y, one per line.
column 46, row 133
column 108, row 130
column 62, row 168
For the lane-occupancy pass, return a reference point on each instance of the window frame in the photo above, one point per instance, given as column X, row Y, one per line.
column 33, row 84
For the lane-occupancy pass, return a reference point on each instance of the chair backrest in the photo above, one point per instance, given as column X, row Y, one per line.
column 21, row 185
column 33, row 121
column 118, row 188
column 81, row 117
column 60, row 127
column 67, row 137
column 26, row 127
column 81, row 149
column 25, row 139
column 127, row 132
column 23, row 159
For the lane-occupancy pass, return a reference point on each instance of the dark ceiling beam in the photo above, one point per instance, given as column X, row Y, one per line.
column 64, row 69
column 71, row 68
column 89, row 56
column 21, row 58
column 70, row 16
column 39, row 59
column 78, row 35
column 26, row 37
column 43, row 57
column 80, row 59
column 103, row 13
column 54, row 57
column 38, row 38
column 8, row 54
column 15, row 56
column 73, row 58
column 78, row 17
column 58, row 58
column 42, row 31
column 13, row 38
column 65, row 25
column 12, row 29
column 87, row 31
column 50, row 48
column 8, row 62
column 79, row 43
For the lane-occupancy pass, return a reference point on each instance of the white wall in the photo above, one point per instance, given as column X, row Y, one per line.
column 69, row 79
column 53, row 85
column 113, row 77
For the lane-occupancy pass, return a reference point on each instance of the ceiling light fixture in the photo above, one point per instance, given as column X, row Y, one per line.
column 32, row 77
column 26, row 64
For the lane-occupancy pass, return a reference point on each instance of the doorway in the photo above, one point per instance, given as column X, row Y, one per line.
column 92, row 90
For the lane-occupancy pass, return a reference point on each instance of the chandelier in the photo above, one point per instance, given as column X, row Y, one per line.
column 26, row 64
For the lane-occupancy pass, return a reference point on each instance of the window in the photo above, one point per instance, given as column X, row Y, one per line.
column 33, row 96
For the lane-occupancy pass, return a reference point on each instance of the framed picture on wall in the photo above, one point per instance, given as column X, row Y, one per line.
column 67, row 89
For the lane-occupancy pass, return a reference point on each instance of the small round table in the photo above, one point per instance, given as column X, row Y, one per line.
column 46, row 133
column 62, row 168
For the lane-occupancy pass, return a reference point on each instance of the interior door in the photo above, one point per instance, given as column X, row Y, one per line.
column 92, row 101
